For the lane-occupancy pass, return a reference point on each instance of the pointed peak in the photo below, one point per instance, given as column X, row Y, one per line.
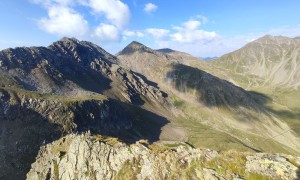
column 136, row 42
column 135, row 46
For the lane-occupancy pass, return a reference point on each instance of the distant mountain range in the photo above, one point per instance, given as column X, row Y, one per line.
column 246, row 100
column 209, row 58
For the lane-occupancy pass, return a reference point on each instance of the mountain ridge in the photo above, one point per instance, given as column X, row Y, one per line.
column 192, row 87
column 273, row 59
column 75, row 86
column 70, row 86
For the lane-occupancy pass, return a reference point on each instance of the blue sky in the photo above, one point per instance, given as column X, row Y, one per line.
column 200, row 27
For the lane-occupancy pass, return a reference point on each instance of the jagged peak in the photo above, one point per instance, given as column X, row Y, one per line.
column 83, row 51
column 67, row 39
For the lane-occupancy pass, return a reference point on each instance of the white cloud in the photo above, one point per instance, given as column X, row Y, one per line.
column 107, row 32
column 190, row 32
column 133, row 34
column 158, row 33
column 63, row 21
column 188, row 37
column 150, row 7
column 191, row 24
column 192, row 36
column 187, row 32
column 115, row 11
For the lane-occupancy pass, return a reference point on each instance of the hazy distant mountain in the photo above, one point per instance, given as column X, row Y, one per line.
column 209, row 58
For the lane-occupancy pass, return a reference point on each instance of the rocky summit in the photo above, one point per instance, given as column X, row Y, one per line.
column 74, row 111
column 95, row 157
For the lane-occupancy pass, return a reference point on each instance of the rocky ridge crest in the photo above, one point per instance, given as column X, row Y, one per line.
column 95, row 157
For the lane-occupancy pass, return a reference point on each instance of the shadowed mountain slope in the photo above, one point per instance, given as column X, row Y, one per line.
column 207, row 101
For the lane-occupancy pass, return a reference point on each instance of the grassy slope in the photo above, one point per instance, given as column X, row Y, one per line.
column 205, row 126
column 198, row 122
column 283, row 104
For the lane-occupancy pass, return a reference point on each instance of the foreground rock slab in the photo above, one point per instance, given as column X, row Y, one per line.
column 88, row 156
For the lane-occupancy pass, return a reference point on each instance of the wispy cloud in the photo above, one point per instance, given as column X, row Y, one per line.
column 138, row 34
column 158, row 34
column 188, row 32
column 190, row 37
column 150, row 7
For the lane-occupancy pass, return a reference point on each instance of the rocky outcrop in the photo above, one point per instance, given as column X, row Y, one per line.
column 277, row 166
column 96, row 157
column 87, row 157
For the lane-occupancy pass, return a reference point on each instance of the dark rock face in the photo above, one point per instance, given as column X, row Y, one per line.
column 22, row 132
column 69, row 67
column 82, row 51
